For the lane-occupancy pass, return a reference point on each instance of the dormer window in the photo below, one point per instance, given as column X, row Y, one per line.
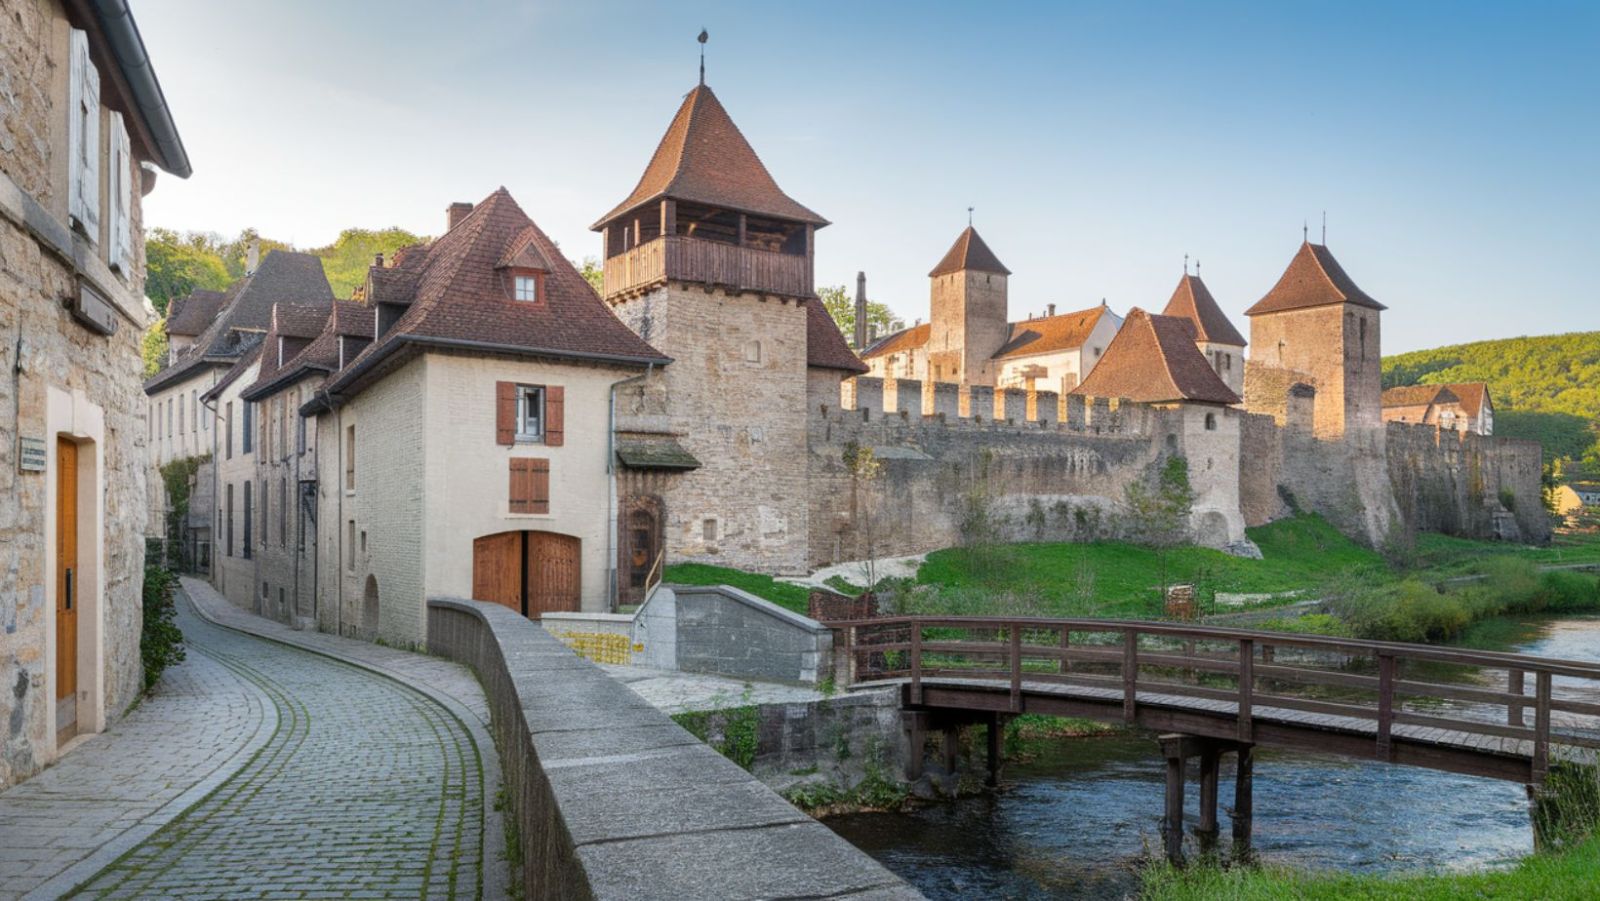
column 526, row 287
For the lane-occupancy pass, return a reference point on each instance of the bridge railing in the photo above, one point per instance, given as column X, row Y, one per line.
column 1377, row 685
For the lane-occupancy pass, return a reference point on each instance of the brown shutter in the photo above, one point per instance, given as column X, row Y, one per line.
column 555, row 407
column 505, row 413
column 539, row 483
column 521, row 486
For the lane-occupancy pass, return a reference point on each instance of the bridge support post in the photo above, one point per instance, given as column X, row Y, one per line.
column 915, row 723
column 1206, row 832
column 997, row 726
column 1177, row 749
column 952, row 749
column 1243, row 801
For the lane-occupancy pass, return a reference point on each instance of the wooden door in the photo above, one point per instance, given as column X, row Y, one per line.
column 66, row 582
column 497, row 569
column 641, row 543
column 554, row 567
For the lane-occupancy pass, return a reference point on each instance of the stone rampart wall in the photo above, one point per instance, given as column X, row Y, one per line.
column 1462, row 483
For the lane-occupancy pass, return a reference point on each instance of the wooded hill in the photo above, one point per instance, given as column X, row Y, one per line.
column 1545, row 388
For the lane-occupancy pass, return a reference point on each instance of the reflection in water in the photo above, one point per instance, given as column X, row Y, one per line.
column 1079, row 819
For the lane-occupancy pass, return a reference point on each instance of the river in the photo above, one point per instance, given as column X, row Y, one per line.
column 1079, row 818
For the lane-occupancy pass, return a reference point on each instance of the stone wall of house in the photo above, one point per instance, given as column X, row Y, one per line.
column 734, row 397
column 60, row 379
column 968, row 325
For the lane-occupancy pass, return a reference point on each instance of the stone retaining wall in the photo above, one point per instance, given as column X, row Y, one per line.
column 614, row 800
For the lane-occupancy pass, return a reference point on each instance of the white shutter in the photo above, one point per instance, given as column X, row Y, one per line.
column 121, row 190
column 84, row 145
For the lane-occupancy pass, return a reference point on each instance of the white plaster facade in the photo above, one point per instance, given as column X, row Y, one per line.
column 1060, row 370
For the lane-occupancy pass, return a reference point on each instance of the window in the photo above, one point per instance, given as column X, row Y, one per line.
column 1211, row 422
column 350, row 542
column 247, row 429
column 350, row 458
column 526, row 287
column 248, row 519
column 229, row 508
column 708, row 529
column 299, row 429
column 283, row 512
column 752, row 352
column 228, row 424
column 181, row 409
column 266, row 512
column 530, row 485
column 83, row 138
column 530, row 413
column 169, row 417
column 120, row 188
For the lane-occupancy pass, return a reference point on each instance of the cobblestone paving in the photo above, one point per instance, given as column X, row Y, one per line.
column 366, row 789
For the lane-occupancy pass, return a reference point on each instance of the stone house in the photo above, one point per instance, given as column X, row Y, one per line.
column 188, row 318
column 466, row 451
column 968, row 339
column 232, row 473
column 1460, row 407
column 83, row 130
column 1219, row 342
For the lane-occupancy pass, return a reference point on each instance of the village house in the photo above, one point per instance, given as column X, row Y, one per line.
column 466, row 451
column 1459, row 407
column 230, row 550
column 83, row 130
column 968, row 339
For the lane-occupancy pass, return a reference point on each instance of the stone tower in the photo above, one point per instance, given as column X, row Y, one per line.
column 1316, row 333
column 967, row 300
column 709, row 261
column 1219, row 342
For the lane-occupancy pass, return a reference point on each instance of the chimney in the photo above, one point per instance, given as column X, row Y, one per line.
column 861, row 310
column 1050, row 309
column 252, row 257
column 377, row 259
column 457, row 212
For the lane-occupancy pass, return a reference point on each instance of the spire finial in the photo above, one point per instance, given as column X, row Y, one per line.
column 1324, row 228
column 1196, row 267
column 969, row 217
column 1185, row 264
column 1305, row 232
column 704, row 36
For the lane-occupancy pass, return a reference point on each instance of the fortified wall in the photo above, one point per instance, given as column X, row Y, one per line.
column 1462, row 483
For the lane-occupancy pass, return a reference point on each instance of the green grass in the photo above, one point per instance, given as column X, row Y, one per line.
column 1571, row 874
column 783, row 594
column 1446, row 555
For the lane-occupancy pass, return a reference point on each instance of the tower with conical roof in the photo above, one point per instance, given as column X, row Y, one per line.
column 967, row 306
column 711, row 262
column 1219, row 342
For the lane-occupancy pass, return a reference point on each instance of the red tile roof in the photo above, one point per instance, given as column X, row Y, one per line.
column 704, row 158
column 190, row 315
column 1418, row 396
column 969, row 252
column 456, row 294
column 1473, row 396
column 898, row 342
column 1193, row 301
column 347, row 318
column 1154, row 359
column 825, row 344
column 1314, row 279
column 1050, row 334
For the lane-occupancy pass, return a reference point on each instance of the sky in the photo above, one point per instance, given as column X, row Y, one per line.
column 1454, row 147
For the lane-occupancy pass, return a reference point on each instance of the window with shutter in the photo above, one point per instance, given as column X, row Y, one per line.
column 505, row 413
column 83, row 138
column 555, row 405
column 121, row 191
column 530, row 485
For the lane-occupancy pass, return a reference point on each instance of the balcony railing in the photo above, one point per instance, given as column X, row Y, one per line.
column 707, row 262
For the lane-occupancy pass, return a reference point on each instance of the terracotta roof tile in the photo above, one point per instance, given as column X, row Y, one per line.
column 456, row 292
column 898, row 342
column 1193, row 301
column 190, row 315
column 1314, row 279
column 1473, row 396
column 1418, row 396
column 1051, row 333
column 347, row 318
column 969, row 252
column 825, row 344
column 704, row 158
column 1154, row 359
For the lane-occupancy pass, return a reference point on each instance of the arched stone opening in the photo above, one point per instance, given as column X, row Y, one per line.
column 370, row 609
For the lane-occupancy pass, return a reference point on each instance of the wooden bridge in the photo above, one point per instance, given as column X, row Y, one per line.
column 1212, row 691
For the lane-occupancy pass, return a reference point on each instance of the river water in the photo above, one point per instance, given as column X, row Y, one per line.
column 1081, row 816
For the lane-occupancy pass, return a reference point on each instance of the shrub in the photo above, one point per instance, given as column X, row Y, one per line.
column 1514, row 583
column 1565, row 591
column 160, row 642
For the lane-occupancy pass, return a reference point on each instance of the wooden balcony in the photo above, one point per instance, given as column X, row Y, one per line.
column 727, row 266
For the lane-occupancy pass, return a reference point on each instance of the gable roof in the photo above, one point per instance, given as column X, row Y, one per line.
column 190, row 315
column 284, row 275
column 1153, row 359
column 456, row 295
column 1417, row 396
column 969, row 252
column 1474, row 396
column 240, row 366
column 346, row 319
column 1193, row 301
column 1051, row 333
column 896, row 342
column 825, row 344
column 1314, row 279
column 704, row 158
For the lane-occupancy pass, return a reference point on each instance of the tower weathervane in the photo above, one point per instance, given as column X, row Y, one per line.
column 1185, row 264
column 1324, row 228
column 969, row 217
column 704, row 36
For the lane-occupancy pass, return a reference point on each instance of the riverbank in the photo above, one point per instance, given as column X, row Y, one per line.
column 1570, row 874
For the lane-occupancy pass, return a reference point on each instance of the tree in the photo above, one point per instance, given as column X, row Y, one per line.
column 153, row 347
column 1158, row 516
column 866, row 471
column 347, row 259
column 593, row 273
column 842, row 307
column 177, row 265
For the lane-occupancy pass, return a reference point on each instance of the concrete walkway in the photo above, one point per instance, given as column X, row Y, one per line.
column 270, row 764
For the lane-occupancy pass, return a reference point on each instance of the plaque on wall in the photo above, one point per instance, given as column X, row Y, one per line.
column 31, row 454
column 94, row 310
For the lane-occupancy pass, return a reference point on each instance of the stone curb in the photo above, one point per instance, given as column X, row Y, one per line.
column 108, row 853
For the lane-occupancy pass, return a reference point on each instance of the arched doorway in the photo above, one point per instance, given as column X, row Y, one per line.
column 369, row 609
column 533, row 573
column 638, row 547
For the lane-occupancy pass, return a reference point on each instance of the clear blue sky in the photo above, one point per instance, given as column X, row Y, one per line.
column 1454, row 146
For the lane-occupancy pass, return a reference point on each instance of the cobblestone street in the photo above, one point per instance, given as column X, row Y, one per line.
column 273, row 772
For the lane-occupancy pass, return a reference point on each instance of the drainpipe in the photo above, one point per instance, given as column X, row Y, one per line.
column 611, row 473
column 216, row 481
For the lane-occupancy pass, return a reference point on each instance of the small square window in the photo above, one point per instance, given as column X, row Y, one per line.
column 526, row 288
column 530, row 413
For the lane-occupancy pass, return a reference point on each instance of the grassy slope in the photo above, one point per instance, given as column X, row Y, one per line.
column 781, row 593
column 1574, row 874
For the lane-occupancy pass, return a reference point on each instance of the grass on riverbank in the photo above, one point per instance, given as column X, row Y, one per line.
column 1571, row 874
column 783, row 594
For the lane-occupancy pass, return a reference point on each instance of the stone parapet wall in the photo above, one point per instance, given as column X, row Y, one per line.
column 615, row 800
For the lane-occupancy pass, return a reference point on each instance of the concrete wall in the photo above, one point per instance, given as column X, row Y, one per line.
column 63, row 382
column 614, row 800
column 722, row 630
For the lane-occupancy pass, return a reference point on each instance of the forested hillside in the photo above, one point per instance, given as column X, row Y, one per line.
column 1545, row 388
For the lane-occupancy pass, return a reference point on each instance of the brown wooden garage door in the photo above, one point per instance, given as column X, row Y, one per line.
column 533, row 573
